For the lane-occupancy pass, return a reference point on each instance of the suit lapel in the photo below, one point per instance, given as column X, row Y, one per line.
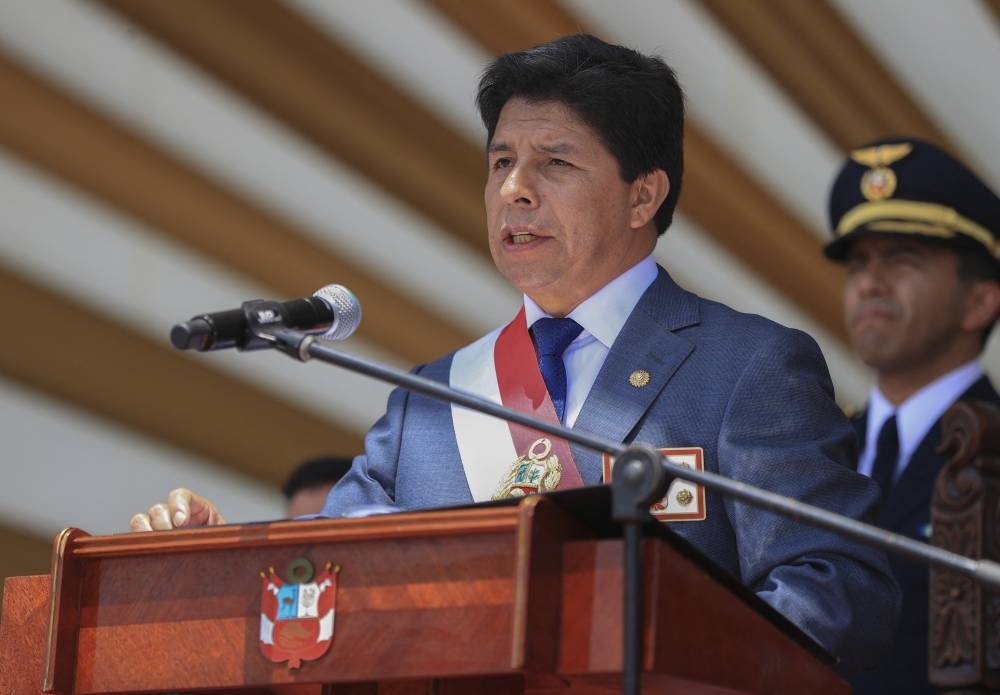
column 614, row 406
column 915, row 486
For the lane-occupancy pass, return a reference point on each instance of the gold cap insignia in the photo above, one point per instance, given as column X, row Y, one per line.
column 879, row 182
column 638, row 378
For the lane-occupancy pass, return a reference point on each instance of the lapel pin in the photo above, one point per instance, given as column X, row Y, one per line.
column 639, row 378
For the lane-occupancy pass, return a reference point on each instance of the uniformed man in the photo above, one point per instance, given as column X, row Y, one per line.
column 917, row 231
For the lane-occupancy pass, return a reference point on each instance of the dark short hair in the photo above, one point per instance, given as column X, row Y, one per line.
column 322, row 470
column 632, row 101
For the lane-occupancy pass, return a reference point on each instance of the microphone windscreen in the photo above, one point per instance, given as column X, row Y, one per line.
column 346, row 311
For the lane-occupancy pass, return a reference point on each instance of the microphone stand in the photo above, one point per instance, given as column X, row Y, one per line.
column 641, row 476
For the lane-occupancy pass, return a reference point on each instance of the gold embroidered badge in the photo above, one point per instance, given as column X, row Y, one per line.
column 536, row 471
column 684, row 501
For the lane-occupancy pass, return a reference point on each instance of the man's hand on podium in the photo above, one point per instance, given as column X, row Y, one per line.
column 183, row 508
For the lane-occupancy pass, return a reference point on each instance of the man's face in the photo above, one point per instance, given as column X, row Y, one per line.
column 904, row 302
column 561, row 220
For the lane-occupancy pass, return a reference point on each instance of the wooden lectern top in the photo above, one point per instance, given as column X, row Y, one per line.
column 522, row 598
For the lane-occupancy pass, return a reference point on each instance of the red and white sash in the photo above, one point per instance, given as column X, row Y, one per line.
column 503, row 368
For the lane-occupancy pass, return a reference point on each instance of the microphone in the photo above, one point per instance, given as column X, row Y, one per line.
column 333, row 312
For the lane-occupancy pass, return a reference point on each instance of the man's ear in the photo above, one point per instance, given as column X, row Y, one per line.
column 648, row 193
column 982, row 305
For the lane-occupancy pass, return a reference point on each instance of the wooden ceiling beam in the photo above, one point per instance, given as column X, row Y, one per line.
column 826, row 68
column 719, row 195
column 93, row 153
column 727, row 203
column 501, row 26
column 75, row 355
column 994, row 6
column 276, row 59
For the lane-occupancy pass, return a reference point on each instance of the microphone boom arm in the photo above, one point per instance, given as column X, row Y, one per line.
column 641, row 476
column 636, row 473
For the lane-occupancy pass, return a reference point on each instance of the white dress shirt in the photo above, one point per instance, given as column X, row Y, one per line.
column 916, row 415
column 602, row 316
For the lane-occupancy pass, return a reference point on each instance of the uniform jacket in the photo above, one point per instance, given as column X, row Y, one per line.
column 907, row 511
column 755, row 396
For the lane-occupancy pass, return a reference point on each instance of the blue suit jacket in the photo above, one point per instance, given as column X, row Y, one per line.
column 755, row 396
column 908, row 511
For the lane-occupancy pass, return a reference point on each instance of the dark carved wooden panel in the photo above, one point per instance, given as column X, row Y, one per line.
column 965, row 517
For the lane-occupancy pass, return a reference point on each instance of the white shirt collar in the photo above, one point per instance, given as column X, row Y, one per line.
column 918, row 413
column 603, row 314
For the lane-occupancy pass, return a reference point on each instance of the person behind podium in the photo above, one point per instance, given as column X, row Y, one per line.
column 308, row 485
column 917, row 232
column 584, row 163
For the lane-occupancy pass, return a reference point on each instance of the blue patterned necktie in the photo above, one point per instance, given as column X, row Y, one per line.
column 552, row 337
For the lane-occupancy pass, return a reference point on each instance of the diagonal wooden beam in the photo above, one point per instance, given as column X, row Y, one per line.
column 719, row 195
column 75, row 355
column 726, row 202
column 60, row 134
column 994, row 5
column 501, row 26
column 826, row 68
column 279, row 61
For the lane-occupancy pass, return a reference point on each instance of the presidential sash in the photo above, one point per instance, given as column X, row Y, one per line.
column 504, row 459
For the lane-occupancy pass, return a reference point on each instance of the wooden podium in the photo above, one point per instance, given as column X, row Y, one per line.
column 502, row 599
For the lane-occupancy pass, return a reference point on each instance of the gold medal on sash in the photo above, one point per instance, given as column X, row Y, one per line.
column 536, row 471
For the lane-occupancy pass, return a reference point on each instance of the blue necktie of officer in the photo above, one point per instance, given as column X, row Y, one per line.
column 886, row 456
column 552, row 337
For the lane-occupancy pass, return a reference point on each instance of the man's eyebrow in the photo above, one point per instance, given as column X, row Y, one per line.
column 557, row 147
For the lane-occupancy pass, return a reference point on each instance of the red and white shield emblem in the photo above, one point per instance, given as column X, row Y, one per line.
column 296, row 614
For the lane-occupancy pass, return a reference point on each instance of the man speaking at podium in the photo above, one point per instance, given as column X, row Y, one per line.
column 585, row 155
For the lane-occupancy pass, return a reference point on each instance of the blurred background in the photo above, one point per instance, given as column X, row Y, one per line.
column 161, row 159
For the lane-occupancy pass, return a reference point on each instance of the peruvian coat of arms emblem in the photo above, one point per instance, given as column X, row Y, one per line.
column 534, row 472
column 296, row 614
